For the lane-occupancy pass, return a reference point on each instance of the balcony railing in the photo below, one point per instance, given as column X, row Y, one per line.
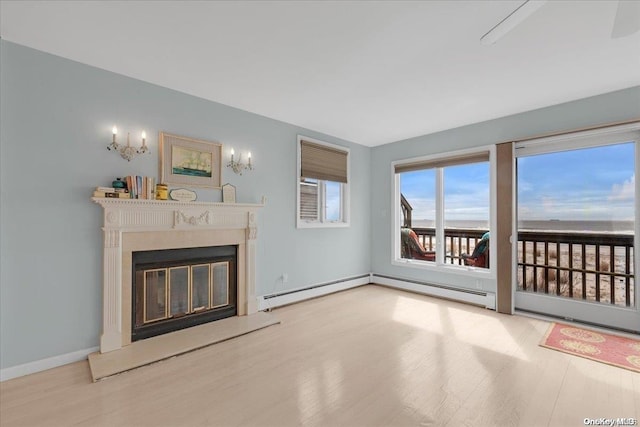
column 589, row 266
column 458, row 241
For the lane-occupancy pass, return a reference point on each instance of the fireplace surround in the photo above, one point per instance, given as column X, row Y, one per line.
column 149, row 225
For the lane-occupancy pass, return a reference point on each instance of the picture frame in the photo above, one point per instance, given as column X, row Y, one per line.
column 189, row 162
column 228, row 193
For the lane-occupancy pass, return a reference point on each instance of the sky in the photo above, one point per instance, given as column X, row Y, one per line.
column 466, row 190
column 587, row 184
column 333, row 201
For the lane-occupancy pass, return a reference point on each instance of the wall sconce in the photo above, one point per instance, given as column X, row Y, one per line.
column 127, row 151
column 238, row 166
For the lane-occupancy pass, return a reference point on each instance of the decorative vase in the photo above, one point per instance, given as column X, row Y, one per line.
column 119, row 183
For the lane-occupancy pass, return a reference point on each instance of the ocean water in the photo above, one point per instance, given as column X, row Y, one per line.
column 622, row 227
column 618, row 227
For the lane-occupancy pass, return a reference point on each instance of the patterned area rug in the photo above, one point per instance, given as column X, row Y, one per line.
column 598, row 346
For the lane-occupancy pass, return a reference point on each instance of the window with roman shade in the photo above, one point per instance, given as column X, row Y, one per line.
column 444, row 210
column 323, row 184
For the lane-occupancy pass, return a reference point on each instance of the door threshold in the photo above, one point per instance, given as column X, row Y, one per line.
column 580, row 323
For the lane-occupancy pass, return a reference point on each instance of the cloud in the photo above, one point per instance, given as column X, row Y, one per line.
column 624, row 191
column 423, row 208
column 549, row 204
column 474, row 206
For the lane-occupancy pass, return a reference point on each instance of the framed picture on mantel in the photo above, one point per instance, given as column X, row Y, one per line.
column 228, row 193
column 190, row 162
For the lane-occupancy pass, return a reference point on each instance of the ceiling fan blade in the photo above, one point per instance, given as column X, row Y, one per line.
column 627, row 19
column 523, row 11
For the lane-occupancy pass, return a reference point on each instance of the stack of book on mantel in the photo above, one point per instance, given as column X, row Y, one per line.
column 138, row 187
column 142, row 187
column 110, row 192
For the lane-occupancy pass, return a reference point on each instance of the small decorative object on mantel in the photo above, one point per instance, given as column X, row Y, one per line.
column 119, row 183
column 162, row 192
column 127, row 152
column 228, row 193
column 183, row 195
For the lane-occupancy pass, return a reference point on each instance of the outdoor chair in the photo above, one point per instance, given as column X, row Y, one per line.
column 480, row 255
column 412, row 248
column 481, row 260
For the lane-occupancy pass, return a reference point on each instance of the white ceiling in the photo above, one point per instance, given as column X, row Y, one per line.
column 368, row 72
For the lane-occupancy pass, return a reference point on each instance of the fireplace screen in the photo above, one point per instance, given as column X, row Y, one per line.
column 181, row 291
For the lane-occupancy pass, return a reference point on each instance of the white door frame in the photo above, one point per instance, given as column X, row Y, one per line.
column 626, row 318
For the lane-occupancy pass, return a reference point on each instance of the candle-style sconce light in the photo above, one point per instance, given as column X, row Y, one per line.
column 127, row 151
column 237, row 166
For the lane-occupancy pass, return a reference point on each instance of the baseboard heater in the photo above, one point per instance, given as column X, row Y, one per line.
column 470, row 296
column 278, row 299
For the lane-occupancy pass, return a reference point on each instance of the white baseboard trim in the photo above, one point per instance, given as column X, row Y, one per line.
column 267, row 302
column 44, row 364
column 481, row 298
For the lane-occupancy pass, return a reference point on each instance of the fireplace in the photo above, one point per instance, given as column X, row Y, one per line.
column 175, row 289
column 134, row 226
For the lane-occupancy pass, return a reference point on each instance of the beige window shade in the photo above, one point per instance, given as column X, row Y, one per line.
column 440, row 163
column 322, row 162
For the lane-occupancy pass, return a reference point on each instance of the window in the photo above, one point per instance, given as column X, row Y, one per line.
column 323, row 184
column 442, row 208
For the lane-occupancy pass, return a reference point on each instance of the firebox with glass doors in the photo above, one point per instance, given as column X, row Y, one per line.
column 178, row 288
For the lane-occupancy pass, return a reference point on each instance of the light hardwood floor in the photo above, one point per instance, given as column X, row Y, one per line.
column 369, row 356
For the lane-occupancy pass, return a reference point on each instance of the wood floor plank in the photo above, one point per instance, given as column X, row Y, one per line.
column 369, row 356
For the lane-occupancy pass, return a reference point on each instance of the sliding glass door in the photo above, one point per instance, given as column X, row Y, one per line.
column 577, row 224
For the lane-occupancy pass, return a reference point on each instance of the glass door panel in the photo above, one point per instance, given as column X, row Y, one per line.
column 576, row 232
column 155, row 295
column 200, row 287
column 220, row 284
column 179, row 291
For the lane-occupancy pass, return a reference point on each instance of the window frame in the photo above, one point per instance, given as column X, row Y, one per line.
column 396, row 221
column 322, row 222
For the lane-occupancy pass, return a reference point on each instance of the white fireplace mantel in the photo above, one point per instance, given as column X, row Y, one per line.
column 132, row 225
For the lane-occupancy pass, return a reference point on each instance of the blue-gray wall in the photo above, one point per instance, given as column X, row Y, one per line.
column 603, row 109
column 56, row 119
